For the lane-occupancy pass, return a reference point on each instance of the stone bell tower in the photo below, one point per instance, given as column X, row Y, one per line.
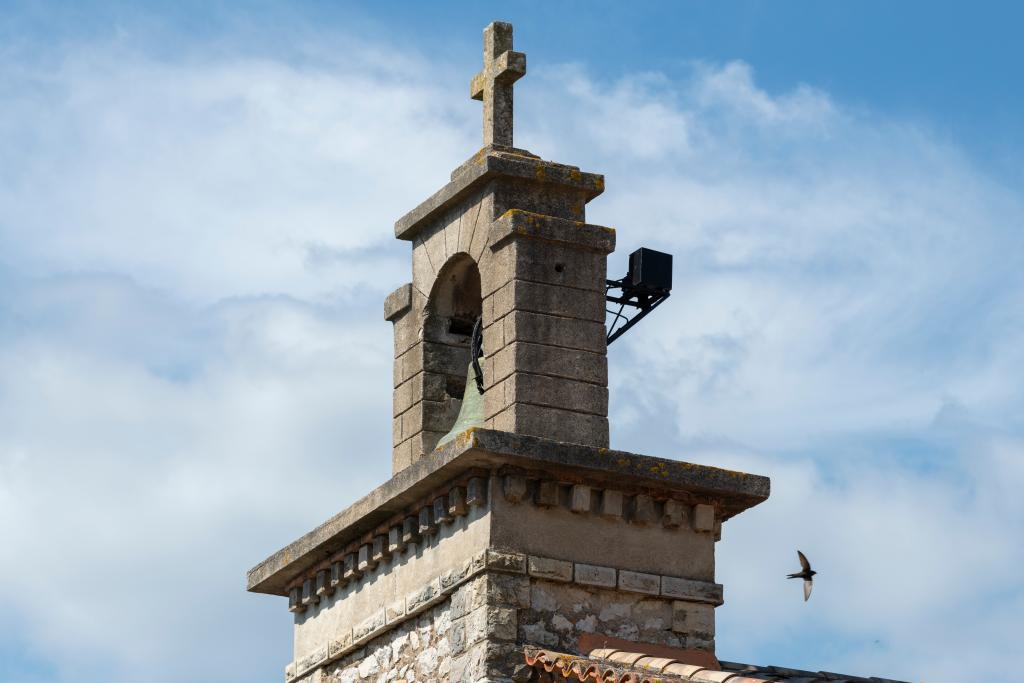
column 505, row 239
column 521, row 529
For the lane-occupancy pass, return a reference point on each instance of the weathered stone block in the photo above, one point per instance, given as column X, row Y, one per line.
column 366, row 561
column 369, row 627
column 432, row 239
column 692, row 591
column 423, row 272
column 522, row 295
column 406, row 333
column 611, row 504
column 592, row 575
column 396, row 543
column 441, row 514
column 398, row 301
column 491, row 622
column 396, row 431
column 506, row 562
column 401, row 397
column 410, row 530
column 341, row 643
column 453, row 577
column 638, row 582
column 381, row 552
column 551, row 330
column 674, row 515
column 552, row 264
column 460, row 603
column 704, row 517
column 554, row 423
column 428, row 527
column 580, row 498
column 520, row 227
column 412, row 420
column 494, row 334
column 352, row 570
column 457, row 506
column 401, row 456
column 430, row 416
column 423, row 597
column 507, row 590
column 515, row 488
column 337, row 575
column 643, row 511
column 553, row 570
column 555, row 392
column 457, row 636
column 411, row 362
column 322, row 585
column 444, row 359
column 539, row 359
column 311, row 660
column 394, row 612
column 693, row 618
column 476, row 492
column 295, row 599
column 547, row 493
column 424, row 443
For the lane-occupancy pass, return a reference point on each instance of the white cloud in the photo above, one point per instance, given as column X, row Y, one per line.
column 194, row 369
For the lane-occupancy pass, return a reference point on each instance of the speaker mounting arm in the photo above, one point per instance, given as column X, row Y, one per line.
column 645, row 287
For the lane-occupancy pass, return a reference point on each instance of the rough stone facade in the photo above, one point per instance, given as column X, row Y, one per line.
column 477, row 633
column 558, row 614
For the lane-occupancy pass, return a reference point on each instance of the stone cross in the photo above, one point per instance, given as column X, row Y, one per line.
column 493, row 85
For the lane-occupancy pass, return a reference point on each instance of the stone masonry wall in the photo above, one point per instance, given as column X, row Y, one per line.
column 558, row 614
column 468, row 637
column 477, row 634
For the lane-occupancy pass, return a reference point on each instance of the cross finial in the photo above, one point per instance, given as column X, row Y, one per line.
column 493, row 85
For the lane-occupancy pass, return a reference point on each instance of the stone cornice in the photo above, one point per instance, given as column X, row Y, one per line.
column 480, row 449
column 490, row 163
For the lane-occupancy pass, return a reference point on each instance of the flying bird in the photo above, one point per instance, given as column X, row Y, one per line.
column 806, row 573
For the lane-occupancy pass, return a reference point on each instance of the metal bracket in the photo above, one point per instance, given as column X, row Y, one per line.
column 643, row 303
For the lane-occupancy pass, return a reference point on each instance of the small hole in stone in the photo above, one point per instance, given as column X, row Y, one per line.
column 559, row 267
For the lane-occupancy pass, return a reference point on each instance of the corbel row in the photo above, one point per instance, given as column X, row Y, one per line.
column 641, row 509
column 377, row 550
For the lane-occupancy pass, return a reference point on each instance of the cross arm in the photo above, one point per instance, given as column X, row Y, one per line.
column 508, row 68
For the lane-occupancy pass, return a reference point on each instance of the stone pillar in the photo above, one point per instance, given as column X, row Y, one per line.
column 547, row 368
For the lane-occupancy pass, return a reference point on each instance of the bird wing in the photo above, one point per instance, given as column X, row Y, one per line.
column 803, row 561
column 808, row 584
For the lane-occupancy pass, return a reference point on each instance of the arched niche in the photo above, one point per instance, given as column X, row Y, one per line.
column 452, row 309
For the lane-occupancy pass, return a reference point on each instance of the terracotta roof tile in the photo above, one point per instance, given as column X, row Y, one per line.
column 607, row 665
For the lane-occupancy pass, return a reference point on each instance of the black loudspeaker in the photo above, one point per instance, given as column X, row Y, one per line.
column 650, row 272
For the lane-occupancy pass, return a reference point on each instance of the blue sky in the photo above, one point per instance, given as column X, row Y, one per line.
column 195, row 242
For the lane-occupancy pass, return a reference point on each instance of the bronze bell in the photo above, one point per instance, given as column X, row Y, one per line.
column 471, row 413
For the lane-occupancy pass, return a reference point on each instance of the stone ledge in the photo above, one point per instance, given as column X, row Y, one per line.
column 732, row 491
column 398, row 301
column 516, row 223
column 486, row 165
